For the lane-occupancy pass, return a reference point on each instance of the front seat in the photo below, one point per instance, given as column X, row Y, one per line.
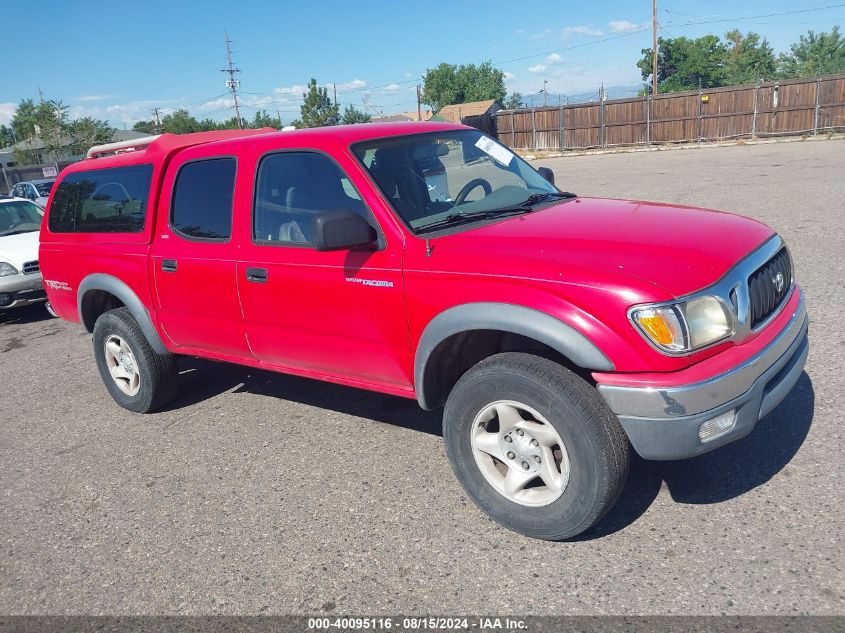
column 318, row 188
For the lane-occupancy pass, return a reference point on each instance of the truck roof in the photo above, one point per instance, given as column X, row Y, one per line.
column 157, row 149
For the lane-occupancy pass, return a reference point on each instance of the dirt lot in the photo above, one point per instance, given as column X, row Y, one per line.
column 259, row 493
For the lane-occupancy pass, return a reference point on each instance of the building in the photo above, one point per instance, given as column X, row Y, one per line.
column 402, row 116
column 458, row 112
column 36, row 148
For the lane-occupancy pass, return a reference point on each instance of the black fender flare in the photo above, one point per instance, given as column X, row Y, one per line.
column 113, row 285
column 505, row 317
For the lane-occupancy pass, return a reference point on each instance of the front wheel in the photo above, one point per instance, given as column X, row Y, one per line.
column 138, row 378
column 534, row 445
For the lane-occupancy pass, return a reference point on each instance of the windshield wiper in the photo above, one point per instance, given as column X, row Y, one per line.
column 454, row 219
column 536, row 198
column 526, row 206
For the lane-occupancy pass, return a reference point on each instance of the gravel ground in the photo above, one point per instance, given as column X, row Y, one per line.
column 261, row 493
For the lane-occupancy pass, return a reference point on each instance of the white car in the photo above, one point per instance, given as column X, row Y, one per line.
column 36, row 190
column 20, row 275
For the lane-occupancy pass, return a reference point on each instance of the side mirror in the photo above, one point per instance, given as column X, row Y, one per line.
column 547, row 173
column 341, row 229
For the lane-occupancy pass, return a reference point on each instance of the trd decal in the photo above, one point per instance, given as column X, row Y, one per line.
column 57, row 285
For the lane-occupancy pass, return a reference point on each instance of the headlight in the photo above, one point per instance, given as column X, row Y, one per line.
column 7, row 269
column 685, row 326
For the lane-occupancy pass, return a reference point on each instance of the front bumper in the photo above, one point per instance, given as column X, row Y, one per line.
column 20, row 290
column 664, row 422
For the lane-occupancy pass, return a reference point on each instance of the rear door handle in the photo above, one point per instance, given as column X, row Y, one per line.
column 258, row 275
column 168, row 265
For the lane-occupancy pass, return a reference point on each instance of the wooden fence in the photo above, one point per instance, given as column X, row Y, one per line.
column 798, row 106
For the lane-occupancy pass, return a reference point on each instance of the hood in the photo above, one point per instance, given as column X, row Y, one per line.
column 681, row 249
column 17, row 249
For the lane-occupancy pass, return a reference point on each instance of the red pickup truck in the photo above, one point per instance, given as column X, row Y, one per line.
column 430, row 262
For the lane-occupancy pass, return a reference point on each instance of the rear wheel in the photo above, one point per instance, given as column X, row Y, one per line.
column 535, row 446
column 136, row 376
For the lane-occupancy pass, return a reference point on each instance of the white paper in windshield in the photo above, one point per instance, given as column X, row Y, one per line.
column 494, row 150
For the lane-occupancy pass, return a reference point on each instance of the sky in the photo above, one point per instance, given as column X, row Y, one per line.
column 118, row 60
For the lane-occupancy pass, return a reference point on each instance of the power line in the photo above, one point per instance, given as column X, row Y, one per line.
column 753, row 17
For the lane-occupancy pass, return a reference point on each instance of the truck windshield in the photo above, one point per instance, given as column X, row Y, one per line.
column 428, row 178
column 18, row 216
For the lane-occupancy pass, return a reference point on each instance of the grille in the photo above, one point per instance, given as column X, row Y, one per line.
column 768, row 287
column 30, row 267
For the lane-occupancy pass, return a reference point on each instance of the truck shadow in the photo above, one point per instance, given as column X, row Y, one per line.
column 725, row 473
column 202, row 379
column 32, row 313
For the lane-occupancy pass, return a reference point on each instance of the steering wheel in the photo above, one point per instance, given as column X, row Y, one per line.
column 472, row 184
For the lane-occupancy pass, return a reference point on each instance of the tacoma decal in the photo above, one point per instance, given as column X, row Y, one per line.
column 380, row 283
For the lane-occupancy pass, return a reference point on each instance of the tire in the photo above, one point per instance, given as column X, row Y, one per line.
column 129, row 350
column 596, row 450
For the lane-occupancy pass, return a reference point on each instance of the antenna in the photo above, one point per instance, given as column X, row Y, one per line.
column 232, row 83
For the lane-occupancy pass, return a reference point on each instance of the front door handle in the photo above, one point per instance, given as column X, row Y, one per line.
column 258, row 275
column 168, row 265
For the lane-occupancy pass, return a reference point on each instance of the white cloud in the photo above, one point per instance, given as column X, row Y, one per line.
column 537, row 69
column 623, row 26
column 581, row 30
column 94, row 97
column 296, row 89
column 540, row 35
column 393, row 88
column 509, row 76
column 408, row 75
column 355, row 84
column 520, row 31
column 553, row 59
column 7, row 111
column 120, row 114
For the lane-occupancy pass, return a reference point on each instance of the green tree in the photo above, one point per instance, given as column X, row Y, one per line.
column 24, row 119
column 514, row 101
column 7, row 136
column 448, row 84
column 87, row 131
column 686, row 64
column 181, row 122
column 750, row 57
column 262, row 119
column 815, row 54
column 51, row 127
column 147, row 127
column 228, row 124
column 317, row 109
column 352, row 115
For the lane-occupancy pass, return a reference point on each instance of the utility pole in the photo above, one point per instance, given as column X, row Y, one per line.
column 156, row 121
column 653, row 47
column 334, row 86
column 232, row 83
column 419, row 105
column 545, row 93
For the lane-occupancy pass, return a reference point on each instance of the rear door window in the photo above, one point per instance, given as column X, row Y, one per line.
column 202, row 199
column 102, row 201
